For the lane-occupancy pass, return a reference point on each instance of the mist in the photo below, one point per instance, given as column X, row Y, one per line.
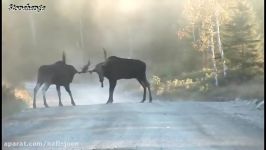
column 145, row 30
column 131, row 29
column 204, row 83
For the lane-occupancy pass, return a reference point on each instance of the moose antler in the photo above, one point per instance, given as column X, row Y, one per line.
column 86, row 67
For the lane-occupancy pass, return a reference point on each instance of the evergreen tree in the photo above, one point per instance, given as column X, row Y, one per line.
column 242, row 42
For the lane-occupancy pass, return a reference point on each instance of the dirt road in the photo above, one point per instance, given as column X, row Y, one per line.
column 159, row 125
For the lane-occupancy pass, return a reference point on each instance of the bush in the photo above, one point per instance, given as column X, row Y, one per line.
column 10, row 103
column 200, row 85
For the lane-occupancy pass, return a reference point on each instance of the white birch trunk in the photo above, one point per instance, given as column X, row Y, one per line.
column 32, row 28
column 193, row 32
column 220, row 43
column 130, row 42
column 81, row 34
column 214, row 61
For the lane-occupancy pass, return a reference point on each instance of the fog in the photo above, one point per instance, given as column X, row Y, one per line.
column 132, row 29
column 87, row 94
column 139, row 29
column 144, row 30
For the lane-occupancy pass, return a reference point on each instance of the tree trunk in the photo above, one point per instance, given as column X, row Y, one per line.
column 204, row 59
column 130, row 42
column 214, row 61
column 33, row 29
column 193, row 26
column 81, row 34
column 220, row 43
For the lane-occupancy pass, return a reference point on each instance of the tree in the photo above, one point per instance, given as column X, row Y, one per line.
column 242, row 42
column 205, row 17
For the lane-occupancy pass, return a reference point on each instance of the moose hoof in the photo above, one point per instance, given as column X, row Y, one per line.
column 60, row 105
column 46, row 105
column 34, row 106
column 109, row 102
column 73, row 104
column 142, row 101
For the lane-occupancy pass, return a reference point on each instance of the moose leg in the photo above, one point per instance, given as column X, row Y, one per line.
column 70, row 94
column 36, row 88
column 144, row 88
column 149, row 93
column 44, row 89
column 148, row 85
column 112, row 84
column 59, row 94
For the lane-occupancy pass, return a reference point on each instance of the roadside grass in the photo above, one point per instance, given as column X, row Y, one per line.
column 200, row 86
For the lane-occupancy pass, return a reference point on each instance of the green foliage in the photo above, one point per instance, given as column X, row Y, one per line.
column 192, row 82
column 201, row 87
column 242, row 47
column 170, row 86
column 242, row 42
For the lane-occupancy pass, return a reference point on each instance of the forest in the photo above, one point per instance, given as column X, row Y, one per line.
column 194, row 49
column 228, row 43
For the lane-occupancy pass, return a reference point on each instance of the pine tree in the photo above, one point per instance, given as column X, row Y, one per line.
column 242, row 42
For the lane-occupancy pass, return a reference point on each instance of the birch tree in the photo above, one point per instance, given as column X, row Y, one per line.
column 207, row 16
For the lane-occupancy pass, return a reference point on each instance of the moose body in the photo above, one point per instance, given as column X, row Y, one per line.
column 115, row 68
column 59, row 74
column 121, row 68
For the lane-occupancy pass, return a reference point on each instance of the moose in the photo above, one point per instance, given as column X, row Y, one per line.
column 59, row 74
column 115, row 68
